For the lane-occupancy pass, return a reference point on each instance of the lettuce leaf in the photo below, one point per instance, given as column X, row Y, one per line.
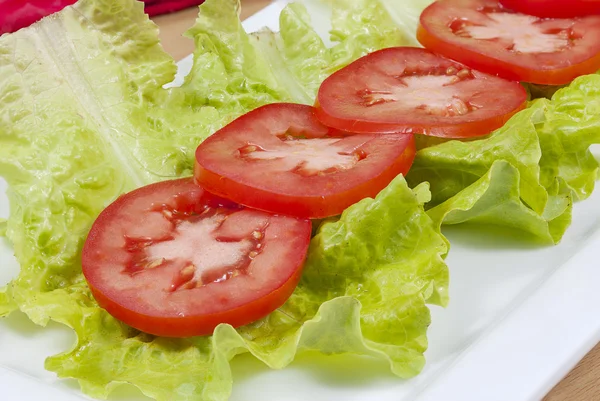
column 496, row 199
column 68, row 145
column 571, row 126
column 453, row 165
column 547, row 146
column 86, row 118
column 229, row 70
column 363, row 26
column 469, row 183
column 364, row 289
column 234, row 69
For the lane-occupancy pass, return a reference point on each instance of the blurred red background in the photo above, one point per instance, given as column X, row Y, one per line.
column 16, row 14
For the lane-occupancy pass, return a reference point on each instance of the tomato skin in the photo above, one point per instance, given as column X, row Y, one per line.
column 174, row 314
column 555, row 68
column 554, row 8
column 314, row 207
column 341, row 98
column 468, row 130
column 315, row 197
column 201, row 325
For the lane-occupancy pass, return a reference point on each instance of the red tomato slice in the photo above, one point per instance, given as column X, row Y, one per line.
column 170, row 259
column 411, row 90
column 484, row 35
column 279, row 158
column 554, row 8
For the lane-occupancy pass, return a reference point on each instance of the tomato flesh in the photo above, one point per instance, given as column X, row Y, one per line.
column 484, row 35
column 279, row 158
column 170, row 259
column 411, row 90
column 554, row 8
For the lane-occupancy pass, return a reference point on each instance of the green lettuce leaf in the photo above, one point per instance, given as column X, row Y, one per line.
column 454, row 165
column 363, row 26
column 469, row 184
column 235, row 70
column 68, row 146
column 229, row 70
column 364, row 291
column 87, row 118
column 571, row 126
column 6, row 303
column 495, row 199
column 547, row 146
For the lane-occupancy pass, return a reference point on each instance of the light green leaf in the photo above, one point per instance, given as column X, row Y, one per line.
column 229, row 71
column 297, row 54
column 571, row 126
column 363, row 26
column 548, row 147
column 451, row 166
column 363, row 291
column 406, row 15
column 6, row 303
column 360, row 27
column 85, row 119
column 495, row 199
column 237, row 71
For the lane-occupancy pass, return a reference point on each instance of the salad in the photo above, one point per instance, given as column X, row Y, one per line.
column 89, row 120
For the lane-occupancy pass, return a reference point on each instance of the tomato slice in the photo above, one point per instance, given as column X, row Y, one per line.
column 554, row 8
column 484, row 35
column 279, row 158
column 172, row 260
column 411, row 90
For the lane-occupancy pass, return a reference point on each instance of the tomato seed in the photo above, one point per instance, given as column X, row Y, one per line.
column 189, row 285
column 464, row 73
column 458, row 107
column 248, row 149
column 360, row 154
column 451, row 71
column 155, row 263
column 189, row 270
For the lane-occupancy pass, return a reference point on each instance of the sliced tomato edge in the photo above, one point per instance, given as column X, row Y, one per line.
column 313, row 207
column 502, row 68
column 472, row 129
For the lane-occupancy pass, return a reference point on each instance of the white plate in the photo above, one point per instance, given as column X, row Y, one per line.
column 520, row 318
